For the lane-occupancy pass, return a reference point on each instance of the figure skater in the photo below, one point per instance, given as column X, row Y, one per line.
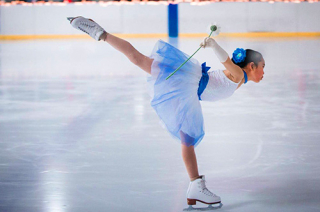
column 177, row 100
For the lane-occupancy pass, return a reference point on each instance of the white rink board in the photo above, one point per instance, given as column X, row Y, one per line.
column 141, row 18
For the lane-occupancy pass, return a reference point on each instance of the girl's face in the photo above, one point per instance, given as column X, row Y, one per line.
column 258, row 71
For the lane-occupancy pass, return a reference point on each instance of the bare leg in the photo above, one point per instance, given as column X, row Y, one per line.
column 189, row 156
column 190, row 161
column 128, row 50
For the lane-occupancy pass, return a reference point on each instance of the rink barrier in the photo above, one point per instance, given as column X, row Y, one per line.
column 164, row 35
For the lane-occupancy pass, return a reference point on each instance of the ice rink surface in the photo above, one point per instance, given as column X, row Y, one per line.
column 78, row 134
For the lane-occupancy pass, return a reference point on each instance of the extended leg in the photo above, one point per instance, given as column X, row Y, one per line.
column 98, row 33
column 128, row 50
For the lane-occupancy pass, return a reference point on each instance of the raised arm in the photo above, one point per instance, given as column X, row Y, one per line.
column 222, row 55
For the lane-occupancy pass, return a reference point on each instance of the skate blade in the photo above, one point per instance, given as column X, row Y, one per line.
column 70, row 18
column 209, row 208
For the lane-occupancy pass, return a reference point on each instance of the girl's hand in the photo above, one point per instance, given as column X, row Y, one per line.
column 208, row 42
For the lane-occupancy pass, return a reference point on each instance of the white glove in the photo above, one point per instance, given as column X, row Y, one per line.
column 220, row 52
column 208, row 42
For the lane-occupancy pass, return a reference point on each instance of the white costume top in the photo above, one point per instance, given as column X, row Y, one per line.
column 219, row 86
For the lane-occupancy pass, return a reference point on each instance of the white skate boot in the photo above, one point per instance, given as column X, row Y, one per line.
column 198, row 191
column 88, row 26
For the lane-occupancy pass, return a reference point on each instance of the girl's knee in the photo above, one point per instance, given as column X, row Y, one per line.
column 136, row 59
column 143, row 62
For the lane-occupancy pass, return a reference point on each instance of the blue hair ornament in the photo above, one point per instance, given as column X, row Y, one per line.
column 239, row 55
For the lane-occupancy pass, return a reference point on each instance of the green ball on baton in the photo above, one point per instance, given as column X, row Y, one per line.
column 215, row 29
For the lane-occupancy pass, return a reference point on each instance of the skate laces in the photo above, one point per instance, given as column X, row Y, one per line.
column 85, row 26
column 204, row 188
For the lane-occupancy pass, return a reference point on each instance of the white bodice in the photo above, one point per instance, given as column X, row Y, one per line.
column 219, row 86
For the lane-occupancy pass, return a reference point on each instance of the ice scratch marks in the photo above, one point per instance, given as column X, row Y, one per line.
column 258, row 153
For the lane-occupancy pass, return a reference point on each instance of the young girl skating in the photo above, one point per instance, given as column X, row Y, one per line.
column 177, row 99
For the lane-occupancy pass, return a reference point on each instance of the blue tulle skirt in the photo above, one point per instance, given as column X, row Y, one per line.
column 176, row 100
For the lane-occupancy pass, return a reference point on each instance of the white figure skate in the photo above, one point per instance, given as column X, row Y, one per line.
column 198, row 191
column 88, row 26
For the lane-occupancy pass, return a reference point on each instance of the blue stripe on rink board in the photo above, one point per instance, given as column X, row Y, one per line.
column 173, row 20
